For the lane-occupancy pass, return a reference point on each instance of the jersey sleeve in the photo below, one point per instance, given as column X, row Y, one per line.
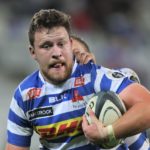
column 110, row 80
column 19, row 130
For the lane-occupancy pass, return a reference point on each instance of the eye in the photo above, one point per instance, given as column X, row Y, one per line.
column 61, row 44
column 46, row 45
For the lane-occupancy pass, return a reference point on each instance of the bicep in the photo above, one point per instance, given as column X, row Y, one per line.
column 13, row 147
column 134, row 93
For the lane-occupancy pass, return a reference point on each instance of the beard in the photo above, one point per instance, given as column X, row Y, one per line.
column 58, row 78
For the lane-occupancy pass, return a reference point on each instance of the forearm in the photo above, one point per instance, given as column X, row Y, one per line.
column 134, row 121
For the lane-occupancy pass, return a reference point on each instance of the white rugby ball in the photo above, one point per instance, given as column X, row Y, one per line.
column 108, row 107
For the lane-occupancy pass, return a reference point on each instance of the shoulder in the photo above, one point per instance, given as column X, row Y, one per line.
column 32, row 80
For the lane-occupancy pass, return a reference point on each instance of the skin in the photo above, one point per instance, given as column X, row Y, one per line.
column 52, row 52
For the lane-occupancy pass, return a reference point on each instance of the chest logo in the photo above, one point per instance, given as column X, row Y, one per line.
column 79, row 81
column 40, row 112
column 34, row 93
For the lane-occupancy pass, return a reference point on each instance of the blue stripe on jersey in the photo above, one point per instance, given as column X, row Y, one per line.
column 82, row 69
column 124, row 84
column 17, row 120
column 138, row 144
column 123, row 147
column 18, row 98
column 105, row 83
column 86, row 89
column 31, row 81
column 61, row 117
column 85, row 69
column 23, row 141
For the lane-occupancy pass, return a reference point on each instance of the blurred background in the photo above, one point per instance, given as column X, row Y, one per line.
column 118, row 33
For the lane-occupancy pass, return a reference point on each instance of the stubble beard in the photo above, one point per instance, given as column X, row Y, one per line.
column 58, row 78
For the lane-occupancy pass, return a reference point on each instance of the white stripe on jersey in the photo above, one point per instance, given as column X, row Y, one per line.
column 98, row 80
column 114, row 86
column 16, row 109
column 130, row 140
column 16, row 129
column 54, row 88
column 145, row 145
column 108, row 73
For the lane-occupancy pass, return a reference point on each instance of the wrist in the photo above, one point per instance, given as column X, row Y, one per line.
column 108, row 139
column 110, row 134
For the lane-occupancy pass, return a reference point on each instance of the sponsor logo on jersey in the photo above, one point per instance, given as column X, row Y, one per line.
column 77, row 97
column 79, row 81
column 70, row 127
column 58, row 99
column 40, row 112
column 114, row 75
column 34, row 93
column 117, row 75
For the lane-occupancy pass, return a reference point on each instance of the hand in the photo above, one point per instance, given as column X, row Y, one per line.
column 95, row 132
column 84, row 57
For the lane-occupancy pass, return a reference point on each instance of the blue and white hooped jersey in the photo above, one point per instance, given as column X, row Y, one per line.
column 55, row 112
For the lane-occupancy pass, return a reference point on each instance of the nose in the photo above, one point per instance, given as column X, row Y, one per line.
column 56, row 56
column 57, row 52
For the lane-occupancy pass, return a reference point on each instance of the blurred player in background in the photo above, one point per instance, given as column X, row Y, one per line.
column 81, row 50
column 52, row 100
column 83, row 54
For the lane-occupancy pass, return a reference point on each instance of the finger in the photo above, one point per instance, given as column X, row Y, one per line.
column 89, row 57
column 80, row 56
column 94, row 119
column 77, row 56
column 83, row 58
column 84, row 122
column 93, row 58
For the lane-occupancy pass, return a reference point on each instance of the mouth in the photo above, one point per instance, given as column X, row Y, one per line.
column 57, row 65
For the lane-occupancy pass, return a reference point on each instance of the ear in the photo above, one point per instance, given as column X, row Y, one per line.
column 32, row 52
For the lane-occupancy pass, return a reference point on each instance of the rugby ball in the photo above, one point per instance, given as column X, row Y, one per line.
column 108, row 107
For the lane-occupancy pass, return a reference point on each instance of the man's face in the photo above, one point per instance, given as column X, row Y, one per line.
column 52, row 51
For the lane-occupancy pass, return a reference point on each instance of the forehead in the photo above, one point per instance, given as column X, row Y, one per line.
column 53, row 34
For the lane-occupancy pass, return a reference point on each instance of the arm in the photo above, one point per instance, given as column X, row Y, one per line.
column 13, row 147
column 137, row 100
column 19, row 130
column 135, row 120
